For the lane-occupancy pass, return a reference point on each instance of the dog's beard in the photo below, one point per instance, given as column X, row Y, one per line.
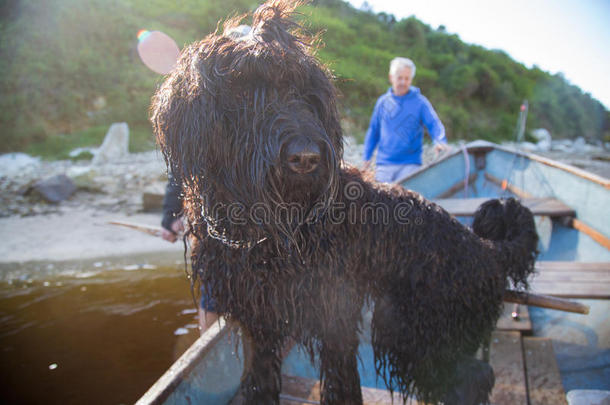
column 299, row 201
column 276, row 210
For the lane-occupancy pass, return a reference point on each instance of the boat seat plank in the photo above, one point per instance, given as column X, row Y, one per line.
column 581, row 276
column 539, row 206
column 571, row 289
column 298, row 390
column 506, row 360
column 543, row 377
column 507, row 323
column 572, row 279
column 600, row 267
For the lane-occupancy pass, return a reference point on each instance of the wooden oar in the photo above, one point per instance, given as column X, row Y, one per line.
column 545, row 301
column 151, row 230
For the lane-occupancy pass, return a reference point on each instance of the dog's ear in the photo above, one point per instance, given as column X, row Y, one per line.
column 272, row 22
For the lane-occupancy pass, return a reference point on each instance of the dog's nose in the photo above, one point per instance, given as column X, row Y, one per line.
column 302, row 155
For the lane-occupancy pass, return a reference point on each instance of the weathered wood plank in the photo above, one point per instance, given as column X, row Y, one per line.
column 548, row 206
column 571, row 289
column 572, row 279
column 506, row 322
column 543, row 377
column 597, row 267
column 460, row 206
column 576, row 276
column 507, row 361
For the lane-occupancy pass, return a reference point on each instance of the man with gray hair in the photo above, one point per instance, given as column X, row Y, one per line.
column 397, row 123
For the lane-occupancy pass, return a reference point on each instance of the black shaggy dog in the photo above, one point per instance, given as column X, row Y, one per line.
column 290, row 242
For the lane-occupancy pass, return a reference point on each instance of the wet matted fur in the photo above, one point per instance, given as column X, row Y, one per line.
column 292, row 250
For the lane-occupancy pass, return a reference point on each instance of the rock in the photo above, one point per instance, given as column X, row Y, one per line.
column 152, row 202
column 541, row 134
column 14, row 164
column 590, row 149
column 579, row 144
column 563, row 145
column 152, row 197
column 543, row 146
column 544, row 139
column 528, row 146
column 25, row 188
column 75, row 171
column 84, row 178
column 115, row 145
column 55, row 189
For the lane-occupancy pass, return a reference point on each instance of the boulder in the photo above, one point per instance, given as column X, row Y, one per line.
column 55, row 188
column 543, row 138
column 14, row 164
column 115, row 145
column 562, row 145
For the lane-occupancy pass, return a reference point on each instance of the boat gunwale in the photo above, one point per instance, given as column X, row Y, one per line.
column 166, row 385
column 488, row 146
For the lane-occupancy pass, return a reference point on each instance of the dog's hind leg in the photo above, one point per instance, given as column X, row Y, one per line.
column 339, row 370
column 475, row 381
column 261, row 380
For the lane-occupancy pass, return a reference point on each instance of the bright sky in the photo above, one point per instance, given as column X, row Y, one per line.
column 568, row 36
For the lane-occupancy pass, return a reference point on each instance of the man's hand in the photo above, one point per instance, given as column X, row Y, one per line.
column 177, row 229
column 440, row 147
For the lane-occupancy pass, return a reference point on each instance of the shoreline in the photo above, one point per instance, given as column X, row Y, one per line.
column 79, row 234
column 76, row 229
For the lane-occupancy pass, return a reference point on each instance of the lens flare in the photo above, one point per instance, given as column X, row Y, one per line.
column 157, row 51
column 142, row 35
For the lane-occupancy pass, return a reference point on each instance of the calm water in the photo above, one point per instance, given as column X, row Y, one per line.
column 93, row 336
column 102, row 333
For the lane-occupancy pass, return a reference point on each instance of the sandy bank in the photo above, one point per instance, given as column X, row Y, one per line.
column 77, row 234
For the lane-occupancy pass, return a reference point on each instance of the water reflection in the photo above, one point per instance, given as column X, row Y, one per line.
column 93, row 337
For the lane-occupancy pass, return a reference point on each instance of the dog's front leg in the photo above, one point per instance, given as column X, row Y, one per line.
column 261, row 381
column 339, row 370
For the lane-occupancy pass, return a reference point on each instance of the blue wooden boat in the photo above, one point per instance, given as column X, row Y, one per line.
column 572, row 217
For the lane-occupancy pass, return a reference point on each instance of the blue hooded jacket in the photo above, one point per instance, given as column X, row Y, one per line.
column 397, row 128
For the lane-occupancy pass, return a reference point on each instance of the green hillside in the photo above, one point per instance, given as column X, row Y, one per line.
column 69, row 68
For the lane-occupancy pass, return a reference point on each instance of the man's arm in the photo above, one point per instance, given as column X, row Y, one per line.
column 372, row 136
column 434, row 125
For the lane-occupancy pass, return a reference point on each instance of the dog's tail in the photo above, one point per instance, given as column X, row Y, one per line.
column 510, row 226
